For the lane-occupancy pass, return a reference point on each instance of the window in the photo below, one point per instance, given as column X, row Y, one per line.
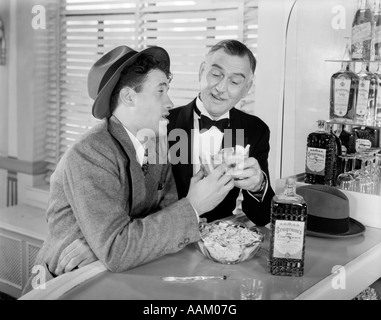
column 83, row 30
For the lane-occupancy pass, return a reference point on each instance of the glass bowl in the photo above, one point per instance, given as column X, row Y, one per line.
column 229, row 243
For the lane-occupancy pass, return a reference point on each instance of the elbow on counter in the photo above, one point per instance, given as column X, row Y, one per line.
column 116, row 265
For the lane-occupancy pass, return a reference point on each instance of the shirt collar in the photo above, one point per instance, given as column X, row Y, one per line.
column 200, row 106
column 139, row 148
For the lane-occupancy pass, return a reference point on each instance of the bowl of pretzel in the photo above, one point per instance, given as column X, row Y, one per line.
column 229, row 243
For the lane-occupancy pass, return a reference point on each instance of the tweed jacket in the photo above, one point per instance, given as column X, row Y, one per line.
column 256, row 133
column 99, row 192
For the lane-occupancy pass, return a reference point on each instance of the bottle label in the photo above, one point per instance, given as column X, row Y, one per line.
column 288, row 239
column 342, row 88
column 363, row 96
column 363, row 144
column 315, row 161
column 361, row 32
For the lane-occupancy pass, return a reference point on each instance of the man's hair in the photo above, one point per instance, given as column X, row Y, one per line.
column 134, row 76
column 235, row 48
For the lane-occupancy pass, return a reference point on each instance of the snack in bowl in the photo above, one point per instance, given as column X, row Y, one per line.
column 229, row 243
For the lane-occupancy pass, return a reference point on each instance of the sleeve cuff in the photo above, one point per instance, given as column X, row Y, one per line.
column 198, row 217
column 260, row 194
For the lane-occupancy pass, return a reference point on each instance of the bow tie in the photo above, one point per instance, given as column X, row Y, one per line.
column 206, row 123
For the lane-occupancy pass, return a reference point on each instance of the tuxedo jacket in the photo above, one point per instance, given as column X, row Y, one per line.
column 99, row 192
column 256, row 133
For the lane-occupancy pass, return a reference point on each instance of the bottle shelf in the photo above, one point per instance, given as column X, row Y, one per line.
column 353, row 124
column 359, row 61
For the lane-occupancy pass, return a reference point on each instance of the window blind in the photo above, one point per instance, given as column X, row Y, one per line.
column 83, row 30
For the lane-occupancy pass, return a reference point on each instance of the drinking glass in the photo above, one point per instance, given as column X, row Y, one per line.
column 251, row 289
column 363, row 182
column 378, row 171
column 233, row 156
column 373, row 170
column 345, row 180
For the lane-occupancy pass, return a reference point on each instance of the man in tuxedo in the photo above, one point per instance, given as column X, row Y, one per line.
column 211, row 122
column 111, row 198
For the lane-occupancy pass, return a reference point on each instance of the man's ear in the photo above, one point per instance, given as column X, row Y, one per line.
column 202, row 68
column 126, row 96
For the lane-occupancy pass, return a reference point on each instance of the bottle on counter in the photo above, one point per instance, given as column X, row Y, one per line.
column 288, row 223
column 320, row 156
column 367, row 92
column 343, row 91
column 362, row 32
column 377, row 109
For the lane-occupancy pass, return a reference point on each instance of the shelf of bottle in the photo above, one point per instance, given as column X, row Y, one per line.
column 354, row 124
column 359, row 61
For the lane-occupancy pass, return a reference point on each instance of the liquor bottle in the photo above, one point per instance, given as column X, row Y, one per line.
column 366, row 97
column 320, row 156
column 348, row 141
column 377, row 109
column 377, row 30
column 366, row 138
column 362, row 32
column 343, row 91
column 338, row 150
column 288, row 222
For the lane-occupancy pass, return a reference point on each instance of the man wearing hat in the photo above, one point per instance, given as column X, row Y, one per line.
column 108, row 190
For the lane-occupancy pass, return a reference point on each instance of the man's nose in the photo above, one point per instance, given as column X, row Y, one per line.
column 168, row 103
column 222, row 85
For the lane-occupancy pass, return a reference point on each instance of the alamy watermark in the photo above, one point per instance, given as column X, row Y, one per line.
column 39, row 17
column 39, row 281
column 339, row 280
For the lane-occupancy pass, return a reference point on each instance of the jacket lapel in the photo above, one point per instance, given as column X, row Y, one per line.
column 230, row 137
column 185, row 122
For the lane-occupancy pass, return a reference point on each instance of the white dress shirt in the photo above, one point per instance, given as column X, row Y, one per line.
column 139, row 148
column 209, row 142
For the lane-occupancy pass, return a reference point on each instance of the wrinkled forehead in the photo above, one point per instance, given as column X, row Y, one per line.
column 229, row 64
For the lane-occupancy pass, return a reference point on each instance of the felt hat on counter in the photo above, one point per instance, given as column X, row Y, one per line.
column 105, row 73
column 329, row 212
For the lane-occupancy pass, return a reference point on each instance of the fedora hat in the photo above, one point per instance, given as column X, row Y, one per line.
column 105, row 73
column 328, row 212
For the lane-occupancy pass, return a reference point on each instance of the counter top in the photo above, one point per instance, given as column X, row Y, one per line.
column 334, row 269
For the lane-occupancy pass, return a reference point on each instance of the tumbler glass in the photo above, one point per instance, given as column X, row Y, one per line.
column 345, row 180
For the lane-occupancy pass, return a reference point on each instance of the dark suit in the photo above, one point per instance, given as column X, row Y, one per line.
column 256, row 133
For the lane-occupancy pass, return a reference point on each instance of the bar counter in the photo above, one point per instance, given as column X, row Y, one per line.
column 358, row 258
